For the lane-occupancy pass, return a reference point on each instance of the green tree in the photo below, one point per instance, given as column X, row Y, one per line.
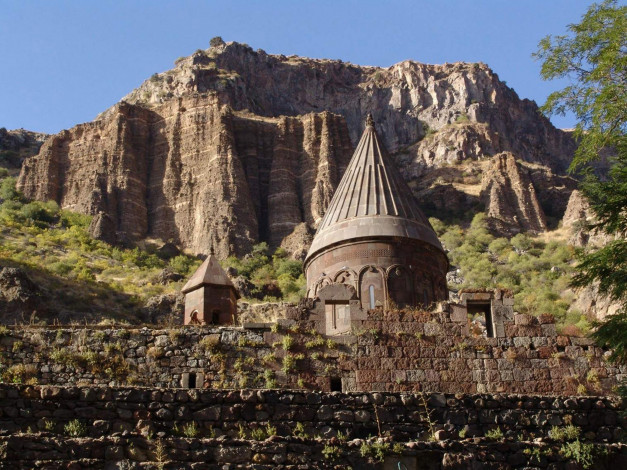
column 593, row 56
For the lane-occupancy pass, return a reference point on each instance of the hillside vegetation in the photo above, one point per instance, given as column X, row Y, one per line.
column 538, row 272
column 82, row 278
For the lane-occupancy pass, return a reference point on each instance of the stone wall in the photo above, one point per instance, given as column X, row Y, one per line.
column 291, row 428
column 392, row 351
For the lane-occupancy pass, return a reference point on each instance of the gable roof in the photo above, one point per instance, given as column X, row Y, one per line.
column 209, row 273
column 372, row 200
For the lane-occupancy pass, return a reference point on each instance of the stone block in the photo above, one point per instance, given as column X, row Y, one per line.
column 211, row 413
column 459, row 313
column 548, row 329
column 523, row 341
column 523, row 319
column 415, row 375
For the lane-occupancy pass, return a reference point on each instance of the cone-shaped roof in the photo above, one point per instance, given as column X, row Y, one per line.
column 372, row 200
column 209, row 273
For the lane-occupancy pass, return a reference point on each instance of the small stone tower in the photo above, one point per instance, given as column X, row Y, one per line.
column 210, row 296
column 374, row 240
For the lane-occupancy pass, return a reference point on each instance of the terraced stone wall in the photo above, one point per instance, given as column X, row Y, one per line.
column 285, row 429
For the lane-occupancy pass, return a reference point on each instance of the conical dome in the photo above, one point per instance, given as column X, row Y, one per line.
column 371, row 201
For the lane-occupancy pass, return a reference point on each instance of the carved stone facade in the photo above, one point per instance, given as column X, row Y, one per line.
column 383, row 273
column 374, row 238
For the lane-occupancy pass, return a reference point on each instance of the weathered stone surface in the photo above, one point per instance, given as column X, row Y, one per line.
column 406, row 351
column 20, row 297
column 234, row 146
column 102, row 227
column 17, row 145
column 510, row 197
column 194, row 172
column 292, row 453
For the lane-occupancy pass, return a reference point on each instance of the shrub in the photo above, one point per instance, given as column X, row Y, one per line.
column 20, row 373
column 288, row 343
column 567, row 433
column 74, row 219
column 190, row 430
column 299, row 431
column 75, row 428
column 376, row 450
column 216, row 41
column 184, row 264
column 40, row 213
column 209, row 343
column 285, row 266
column 8, row 190
column 580, row 452
column 495, row 434
column 331, row 452
column 268, row 376
column 289, row 363
column 521, row 242
column 462, row 118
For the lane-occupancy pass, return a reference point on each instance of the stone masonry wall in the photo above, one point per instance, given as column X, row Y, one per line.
column 394, row 351
column 289, row 429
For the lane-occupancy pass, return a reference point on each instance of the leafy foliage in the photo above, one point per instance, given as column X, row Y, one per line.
column 275, row 276
column 537, row 272
column 83, row 275
column 216, row 41
column 594, row 57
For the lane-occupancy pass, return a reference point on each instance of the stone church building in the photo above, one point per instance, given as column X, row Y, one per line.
column 374, row 240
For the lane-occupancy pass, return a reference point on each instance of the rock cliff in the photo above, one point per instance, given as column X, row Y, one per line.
column 193, row 171
column 510, row 197
column 233, row 146
column 18, row 144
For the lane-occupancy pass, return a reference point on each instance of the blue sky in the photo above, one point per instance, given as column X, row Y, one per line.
column 63, row 61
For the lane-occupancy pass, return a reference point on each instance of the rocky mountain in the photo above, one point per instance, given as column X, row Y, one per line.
column 233, row 146
column 17, row 145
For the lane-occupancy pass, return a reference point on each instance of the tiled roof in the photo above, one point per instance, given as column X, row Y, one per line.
column 372, row 200
column 209, row 273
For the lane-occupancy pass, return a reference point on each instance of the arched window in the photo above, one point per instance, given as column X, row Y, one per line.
column 372, row 288
column 371, row 294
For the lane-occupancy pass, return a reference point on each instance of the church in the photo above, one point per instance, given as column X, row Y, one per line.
column 374, row 239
